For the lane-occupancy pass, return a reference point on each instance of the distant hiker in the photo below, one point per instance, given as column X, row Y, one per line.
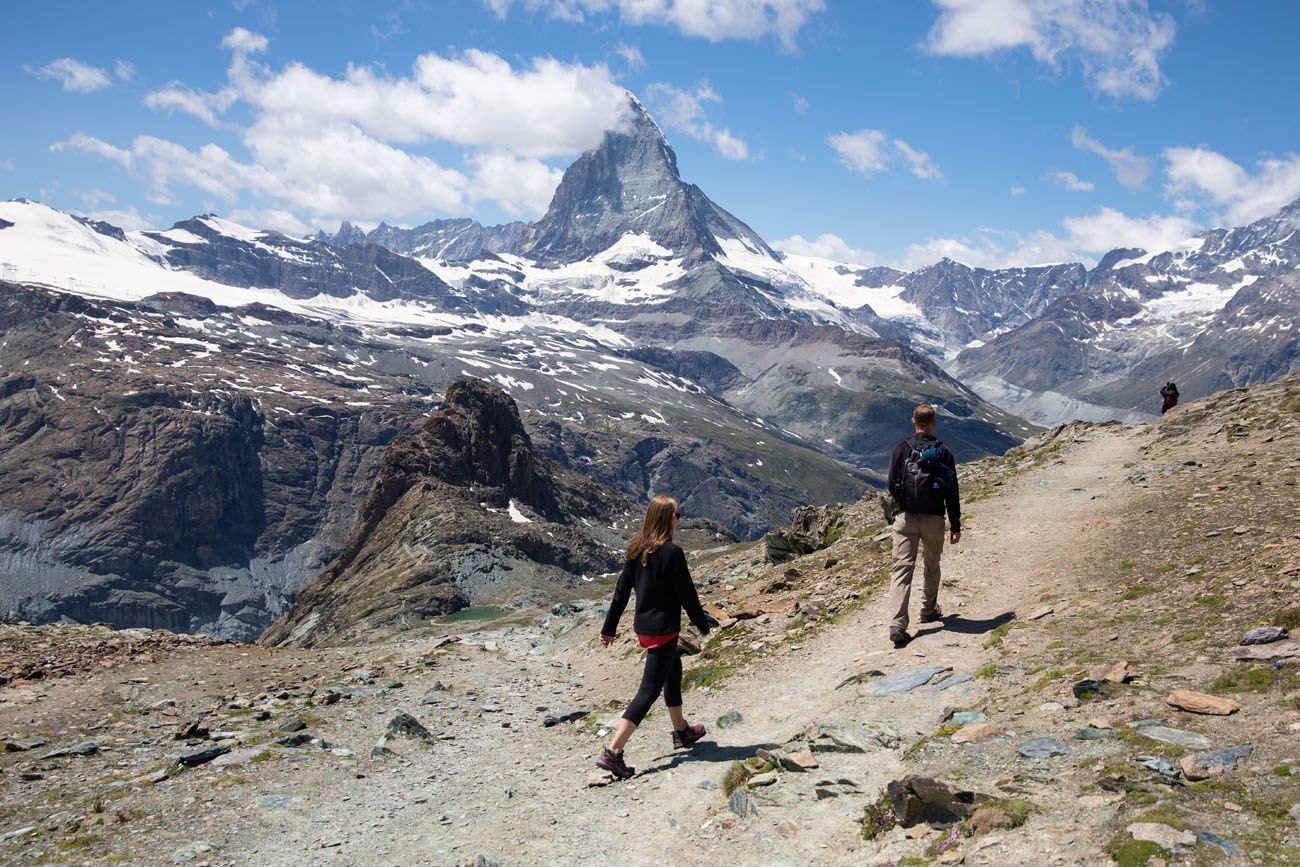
column 1170, row 394
column 923, row 480
column 656, row 568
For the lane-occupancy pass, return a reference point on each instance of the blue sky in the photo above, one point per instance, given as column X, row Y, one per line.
column 994, row 131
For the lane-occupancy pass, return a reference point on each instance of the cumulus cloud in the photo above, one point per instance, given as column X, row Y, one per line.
column 1117, row 43
column 76, row 76
column 801, row 104
column 1200, row 177
column 1070, row 181
column 714, row 20
column 1129, row 169
column 827, row 246
column 130, row 219
column 683, row 110
column 1083, row 239
column 631, row 55
column 124, row 69
column 869, row 152
column 322, row 148
column 1017, row 190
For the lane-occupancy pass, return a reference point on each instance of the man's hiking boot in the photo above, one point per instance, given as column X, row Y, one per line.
column 687, row 736
column 613, row 762
column 900, row 637
column 932, row 616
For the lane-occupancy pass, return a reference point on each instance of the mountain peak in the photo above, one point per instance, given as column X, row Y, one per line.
column 630, row 184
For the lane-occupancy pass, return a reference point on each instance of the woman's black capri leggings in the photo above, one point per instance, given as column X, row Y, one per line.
column 663, row 673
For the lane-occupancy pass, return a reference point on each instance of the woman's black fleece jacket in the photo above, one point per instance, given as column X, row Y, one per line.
column 663, row 588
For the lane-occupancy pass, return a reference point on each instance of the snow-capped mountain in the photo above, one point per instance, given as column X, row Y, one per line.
column 1220, row 312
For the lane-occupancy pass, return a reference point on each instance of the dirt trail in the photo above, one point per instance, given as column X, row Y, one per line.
column 1017, row 545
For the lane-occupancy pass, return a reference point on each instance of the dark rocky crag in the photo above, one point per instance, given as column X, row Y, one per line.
column 146, row 484
column 464, row 512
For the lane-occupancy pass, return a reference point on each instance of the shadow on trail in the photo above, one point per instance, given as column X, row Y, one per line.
column 965, row 626
column 704, row 751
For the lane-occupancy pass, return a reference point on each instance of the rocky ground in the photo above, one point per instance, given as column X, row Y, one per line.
column 1104, row 579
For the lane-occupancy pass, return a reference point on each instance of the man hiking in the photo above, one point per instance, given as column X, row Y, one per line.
column 923, row 481
column 1169, row 397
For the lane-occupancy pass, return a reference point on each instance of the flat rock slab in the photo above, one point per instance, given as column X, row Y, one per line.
column 905, row 681
column 1177, row 737
column 22, row 745
column 563, row 716
column 1225, row 759
column 1043, row 748
column 1164, row 836
column 1286, row 649
column 1159, row 765
column 969, row 716
column 951, row 681
column 86, row 749
column 969, row 734
column 1115, row 673
column 1209, row 838
column 1264, row 635
column 200, row 756
column 1199, row 702
column 1092, row 733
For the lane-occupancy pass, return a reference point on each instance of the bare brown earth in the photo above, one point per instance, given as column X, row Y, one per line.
column 1093, row 545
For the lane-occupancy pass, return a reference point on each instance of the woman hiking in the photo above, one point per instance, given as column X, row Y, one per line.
column 656, row 568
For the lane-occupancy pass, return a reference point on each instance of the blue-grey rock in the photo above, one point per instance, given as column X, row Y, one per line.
column 1177, row 737
column 1043, row 748
column 904, row 681
column 563, row 716
column 1085, row 688
column 1207, row 838
column 268, row 802
column 1295, row 812
column 951, row 681
column 1092, row 733
column 730, row 719
column 200, row 756
column 741, row 804
column 1225, row 759
column 1264, row 635
column 968, row 716
column 1159, row 765
column 85, row 749
column 1143, row 723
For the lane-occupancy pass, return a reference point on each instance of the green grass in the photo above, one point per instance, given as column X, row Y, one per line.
column 705, row 675
column 1248, row 680
column 996, row 636
column 736, row 775
column 1287, row 617
column 986, row 670
column 1127, row 564
column 1138, row 591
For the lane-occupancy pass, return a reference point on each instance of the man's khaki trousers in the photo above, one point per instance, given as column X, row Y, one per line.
column 913, row 530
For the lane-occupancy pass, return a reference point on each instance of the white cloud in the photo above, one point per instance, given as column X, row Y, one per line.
column 1070, row 181
column 124, row 69
column 869, row 151
column 205, row 106
column 683, row 110
column 521, row 186
column 631, row 55
column 863, row 152
column 1084, row 239
column 714, row 20
column 279, row 220
column 826, row 246
column 1017, row 190
column 919, row 163
column 6, row 165
column 243, row 41
column 1118, row 43
column 130, row 220
column 96, row 198
column 323, row 148
column 1130, row 169
column 90, row 145
column 801, row 104
column 76, row 76
column 1205, row 178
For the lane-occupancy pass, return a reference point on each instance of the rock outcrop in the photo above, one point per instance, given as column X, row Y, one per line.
column 464, row 512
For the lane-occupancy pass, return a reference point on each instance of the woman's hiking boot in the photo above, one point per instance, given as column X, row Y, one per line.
column 687, row 736
column 932, row 616
column 613, row 762
column 900, row 637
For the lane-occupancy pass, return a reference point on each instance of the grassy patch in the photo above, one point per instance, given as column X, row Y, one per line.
column 1249, row 680
column 996, row 636
column 1126, row 564
column 736, row 775
column 705, row 675
column 986, row 670
column 1137, row 591
column 878, row 818
column 1288, row 617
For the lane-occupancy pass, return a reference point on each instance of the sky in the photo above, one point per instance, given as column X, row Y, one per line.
column 995, row 132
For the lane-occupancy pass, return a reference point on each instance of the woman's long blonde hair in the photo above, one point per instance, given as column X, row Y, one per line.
column 655, row 530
